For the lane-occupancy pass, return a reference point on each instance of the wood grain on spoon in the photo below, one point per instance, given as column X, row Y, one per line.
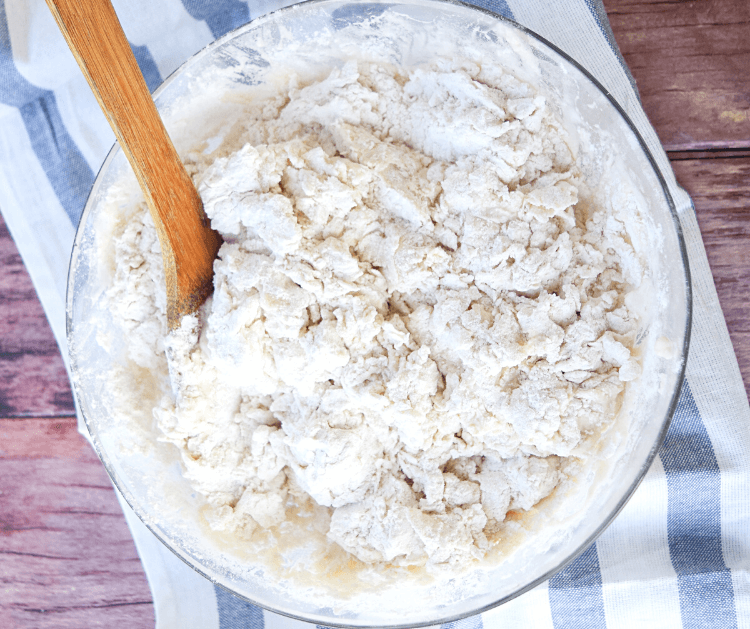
column 188, row 244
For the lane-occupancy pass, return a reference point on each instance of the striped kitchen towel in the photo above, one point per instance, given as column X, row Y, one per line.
column 679, row 553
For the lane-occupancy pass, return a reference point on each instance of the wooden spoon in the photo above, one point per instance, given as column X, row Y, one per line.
column 188, row 244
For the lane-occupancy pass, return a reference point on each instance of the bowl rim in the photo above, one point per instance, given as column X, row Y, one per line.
column 574, row 554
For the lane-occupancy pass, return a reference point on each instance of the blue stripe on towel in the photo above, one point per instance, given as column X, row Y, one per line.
column 575, row 594
column 15, row 90
column 496, row 6
column 65, row 167
column 221, row 15
column 234, row 613
column 694, row 521
column 473, row 622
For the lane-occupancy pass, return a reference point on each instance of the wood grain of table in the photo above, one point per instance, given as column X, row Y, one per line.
column 66, row 556
column 691, row 63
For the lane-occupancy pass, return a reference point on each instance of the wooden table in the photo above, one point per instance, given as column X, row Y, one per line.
column 66, row 556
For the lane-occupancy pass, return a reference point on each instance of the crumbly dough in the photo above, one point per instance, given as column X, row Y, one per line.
column 418, row 316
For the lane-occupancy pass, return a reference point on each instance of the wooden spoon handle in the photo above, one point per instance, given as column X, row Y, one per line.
column 188, row 244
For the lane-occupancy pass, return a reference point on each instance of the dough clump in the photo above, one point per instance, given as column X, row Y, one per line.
column 417, row 319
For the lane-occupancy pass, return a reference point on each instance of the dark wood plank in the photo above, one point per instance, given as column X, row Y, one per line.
column 691, row 62
column 720, row 189
column 33, row 380
column 67, row 559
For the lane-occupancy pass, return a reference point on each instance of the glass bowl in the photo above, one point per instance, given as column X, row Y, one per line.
column 147, row 472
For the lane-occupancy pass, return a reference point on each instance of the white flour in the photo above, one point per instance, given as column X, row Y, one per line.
column 419, row 314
